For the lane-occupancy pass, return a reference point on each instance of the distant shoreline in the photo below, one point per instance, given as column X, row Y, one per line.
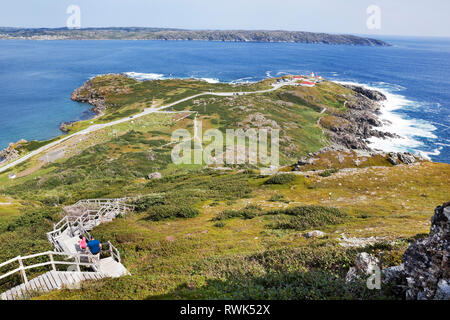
column 263, row 36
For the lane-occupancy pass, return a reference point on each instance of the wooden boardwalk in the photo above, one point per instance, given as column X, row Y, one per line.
column 65, row 237
column 49, row 281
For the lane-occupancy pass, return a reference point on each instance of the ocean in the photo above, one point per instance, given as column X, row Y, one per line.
column 38, row 77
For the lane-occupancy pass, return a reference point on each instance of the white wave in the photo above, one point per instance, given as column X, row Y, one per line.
column 427, row 154
column 144, row 76
column 209, row 80
column 443, row 144
column 243, row 80
column 158, row 76
column 408, row 129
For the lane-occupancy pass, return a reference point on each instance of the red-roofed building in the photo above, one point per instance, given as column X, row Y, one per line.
column 307, row 84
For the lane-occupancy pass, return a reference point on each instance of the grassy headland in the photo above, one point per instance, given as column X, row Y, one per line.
column 200, row 232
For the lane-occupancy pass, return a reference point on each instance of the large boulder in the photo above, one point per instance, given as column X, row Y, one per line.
column 427, row 261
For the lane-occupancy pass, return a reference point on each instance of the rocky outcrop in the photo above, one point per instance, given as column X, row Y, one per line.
column 364, row 265
column 427, row 261
column 352, row 129
column 154, row 175
column 371, row 94
column 315, row 234
column 425, row 268
column 11, row 152
column 64, row 126
column 88, row 94
column 397, row 158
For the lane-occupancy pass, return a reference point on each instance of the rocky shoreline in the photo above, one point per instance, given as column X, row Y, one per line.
column 87, row 94
column 11, row 153
column 352, row 129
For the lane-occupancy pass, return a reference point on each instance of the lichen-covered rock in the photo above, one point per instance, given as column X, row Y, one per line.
column 315, row 234
column 443, row 290
column 406, row 157
column 364, row 265
column 393, row 158
column 427, row 261
column 394, row 275
column 154, row 175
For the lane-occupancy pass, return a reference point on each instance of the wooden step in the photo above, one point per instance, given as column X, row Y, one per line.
column 49, row 281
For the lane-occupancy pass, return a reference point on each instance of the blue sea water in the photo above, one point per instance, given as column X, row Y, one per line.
column 37, row 78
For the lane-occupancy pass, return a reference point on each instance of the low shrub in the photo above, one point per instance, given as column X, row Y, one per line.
column 277, row 198
column 248, row 212
column 219, row 224
column 305, row 217
column 280, row 179
column 162, row 212
column 328, row 172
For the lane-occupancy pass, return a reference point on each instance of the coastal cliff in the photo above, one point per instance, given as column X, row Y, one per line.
column 352, row 128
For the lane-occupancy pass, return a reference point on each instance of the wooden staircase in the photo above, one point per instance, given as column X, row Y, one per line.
column 52, row 280
column 65, row 237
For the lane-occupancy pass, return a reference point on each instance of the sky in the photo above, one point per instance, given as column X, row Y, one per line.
column 394, row 17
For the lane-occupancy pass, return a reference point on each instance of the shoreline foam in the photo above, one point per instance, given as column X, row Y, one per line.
column 408, row 129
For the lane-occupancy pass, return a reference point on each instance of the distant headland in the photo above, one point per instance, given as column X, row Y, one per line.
column 134, row 33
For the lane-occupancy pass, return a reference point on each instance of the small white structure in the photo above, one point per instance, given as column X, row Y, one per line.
column 12, row 176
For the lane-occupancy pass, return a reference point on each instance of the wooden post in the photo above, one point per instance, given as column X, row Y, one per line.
column 69, row 225
column 77, row 261
column 53, row 262
column 22, row 270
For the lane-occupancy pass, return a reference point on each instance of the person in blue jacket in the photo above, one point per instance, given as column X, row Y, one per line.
column 94, row 246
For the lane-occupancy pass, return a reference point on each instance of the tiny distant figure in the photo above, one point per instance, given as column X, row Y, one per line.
column 82, row 243
column 94, row 246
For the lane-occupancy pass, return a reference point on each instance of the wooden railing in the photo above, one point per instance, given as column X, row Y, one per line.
column 114, row 252
column 109, row 209
column 77, row 225
column 86, row 260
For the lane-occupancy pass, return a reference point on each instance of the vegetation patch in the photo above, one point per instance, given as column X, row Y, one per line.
column 305, row 217
column 280, row 179
column 328, row 172
column 249, row 212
